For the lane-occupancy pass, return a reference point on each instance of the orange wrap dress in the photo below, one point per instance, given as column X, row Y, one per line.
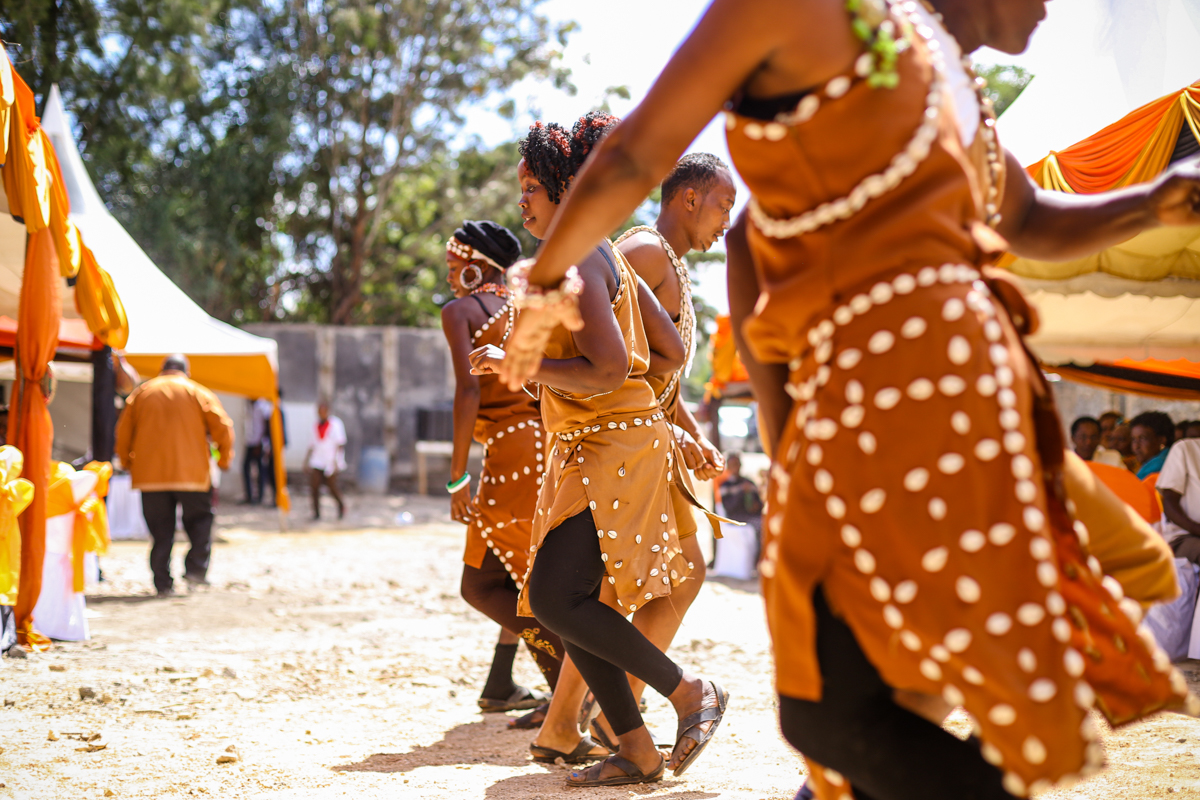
column 918, row 481
column 614, row 454
column 509, row 427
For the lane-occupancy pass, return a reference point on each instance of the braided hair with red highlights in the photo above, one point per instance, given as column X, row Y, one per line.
column 554, row 155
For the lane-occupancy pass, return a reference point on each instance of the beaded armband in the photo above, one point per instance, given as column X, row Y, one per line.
column 526, row 295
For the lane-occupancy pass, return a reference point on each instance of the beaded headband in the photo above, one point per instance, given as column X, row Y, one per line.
column 468, row 253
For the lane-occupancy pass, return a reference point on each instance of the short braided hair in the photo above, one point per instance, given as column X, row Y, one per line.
column 587, row 132
column 547, row 154
column 695, row 170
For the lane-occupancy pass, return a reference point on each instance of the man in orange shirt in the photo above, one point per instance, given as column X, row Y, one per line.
column 163, row 440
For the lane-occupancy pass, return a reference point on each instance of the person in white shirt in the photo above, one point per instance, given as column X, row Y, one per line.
column 326, row 458
column 1179, row 485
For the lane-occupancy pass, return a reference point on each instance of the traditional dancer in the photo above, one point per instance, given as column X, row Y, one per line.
column 605, row 513
column 918, row 537
column 697, row 198
column 499, row 518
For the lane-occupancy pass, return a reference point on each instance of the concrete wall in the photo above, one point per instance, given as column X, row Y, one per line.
column 377, row 378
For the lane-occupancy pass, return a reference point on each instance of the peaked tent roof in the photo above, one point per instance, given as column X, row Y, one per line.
column 162, row 319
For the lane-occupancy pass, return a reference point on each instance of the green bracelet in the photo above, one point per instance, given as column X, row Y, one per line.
column 454, row 487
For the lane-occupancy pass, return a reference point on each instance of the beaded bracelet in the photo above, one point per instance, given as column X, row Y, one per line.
column 453, row 487
column 526, row 295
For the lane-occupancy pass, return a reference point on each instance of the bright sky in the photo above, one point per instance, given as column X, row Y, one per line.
column 627, row 42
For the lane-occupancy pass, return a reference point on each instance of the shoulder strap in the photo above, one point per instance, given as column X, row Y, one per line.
column 475, row 297
column 611, row 264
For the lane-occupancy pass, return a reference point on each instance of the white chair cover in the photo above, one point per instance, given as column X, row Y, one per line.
column 61, row 612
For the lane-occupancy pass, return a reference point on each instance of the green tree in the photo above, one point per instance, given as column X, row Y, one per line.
column 1005, row 82
column 380, row 86
column 46, row 40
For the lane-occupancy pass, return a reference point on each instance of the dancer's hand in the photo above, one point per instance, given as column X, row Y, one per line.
column 714, row 461
column 462, row 507
column 540, row 313
column 486, row 360
column 693, row 456
column 1176, row 201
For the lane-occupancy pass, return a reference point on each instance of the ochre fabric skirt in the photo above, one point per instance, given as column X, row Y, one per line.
column 625, row 470
column 909, row 486
column 513, row 465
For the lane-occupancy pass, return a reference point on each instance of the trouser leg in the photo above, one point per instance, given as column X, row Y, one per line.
column 884, row 751
column 492, row 591
column 564, row 591
column 332, row 482
column 315, row 479
column 1187, row 546
column 197, row 522
column 247, row 471
column 159, row 510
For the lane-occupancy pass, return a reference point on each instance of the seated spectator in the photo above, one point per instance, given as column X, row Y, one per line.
column 1179, row 485
column 1085, row 437
column 1191, row 429
column 740, row 498
column 1152, row 434
column 1109, row 421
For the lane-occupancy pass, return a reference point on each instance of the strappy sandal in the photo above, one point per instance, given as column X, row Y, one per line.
column 601, row 736
column 689, row 728
column 531, row 721
column 582, row 753
column 632, row 774
column 522, row 699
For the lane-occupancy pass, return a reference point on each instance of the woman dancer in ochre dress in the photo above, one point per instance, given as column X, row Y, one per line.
column 918, row 537
column 508, row 424
column 605, row 514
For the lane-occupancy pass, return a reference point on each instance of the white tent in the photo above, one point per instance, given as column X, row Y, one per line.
column 1094, row 62
column 162, row 319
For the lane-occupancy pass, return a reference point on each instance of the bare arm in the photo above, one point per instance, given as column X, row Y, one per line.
column 1173, row 507
column 666, row 348
column 456, row 326
column 767, row 380
column 1058, row 226
column 770, row 46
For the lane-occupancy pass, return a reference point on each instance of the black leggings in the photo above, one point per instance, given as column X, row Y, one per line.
column 492, row 591
column 885, row 751
column 564, row 591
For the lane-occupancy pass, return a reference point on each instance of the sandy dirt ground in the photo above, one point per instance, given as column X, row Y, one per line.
column 339, row 661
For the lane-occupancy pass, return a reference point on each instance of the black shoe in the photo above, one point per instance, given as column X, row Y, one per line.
column 196, row 580
column 166, row 593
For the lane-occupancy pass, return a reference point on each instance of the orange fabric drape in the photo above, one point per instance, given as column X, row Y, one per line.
column 97, row 302
column 1125, row 485
column 727, row 366
column 26, row 179
column 29, row 427
column 1113, row 384
column 1132, row 150
column 66, row 236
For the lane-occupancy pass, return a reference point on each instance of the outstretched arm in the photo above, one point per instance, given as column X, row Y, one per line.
column 793, row 44
column 1058, row 226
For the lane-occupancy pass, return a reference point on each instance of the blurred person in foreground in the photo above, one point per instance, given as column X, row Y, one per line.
column 919, row 537
column 326, row 457
column 163, row 440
